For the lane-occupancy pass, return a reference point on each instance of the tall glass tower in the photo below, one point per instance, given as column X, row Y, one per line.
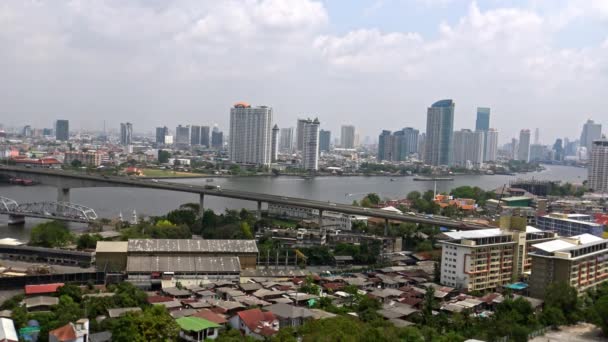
column 439, row 132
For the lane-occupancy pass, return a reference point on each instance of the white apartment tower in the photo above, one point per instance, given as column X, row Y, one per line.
column 126, row 134
column 250, row 134
column 491, row 145
column 523, row 151
column 286, row 141
column 310, row 153
column 598, row 166
column 468, row 148
column 591, row 132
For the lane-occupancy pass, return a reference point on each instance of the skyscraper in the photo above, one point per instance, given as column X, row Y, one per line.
column 250, row 134
column 408, row 143
column 439, row 131
column 523, row 150
column 324, row 140
column 217, row 138
column 62, row 130
column 126, row 133
column 161, row 133
column 385, row 146
column 310, row 153
column 182, row 135
column 195, row 135
column 468, row 148
column 483, row 119
column 274, row 153
column 558, row 150
column 598, row 166
column 205, row 136
column 286, row 143
column 491, row 145
column 591, row 132
column 347, row 136
column 300, row 134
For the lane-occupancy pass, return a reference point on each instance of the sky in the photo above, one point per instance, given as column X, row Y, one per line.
column 376, row 64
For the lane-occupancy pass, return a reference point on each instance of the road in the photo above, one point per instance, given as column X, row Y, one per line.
column 65, row 179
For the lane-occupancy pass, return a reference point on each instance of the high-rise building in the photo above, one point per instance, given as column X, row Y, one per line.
column 205, row 136
column 274, row 153
column 217, row 138
column 286, row 143
column 421, row 145
column 598, row 166
column 591, row 132
column 409, row 143
column 161, row 133
column 250, row 139
column 468, row 148
column 182, row 135
column 126, row 133
column 439, row 131
column 62, row 130
column 324, row 140
column 195, row 135
column 310, row 153
column 385, row 146
column 300, row 134
column 536, row 136
column 347, row 136
column 483, row 119
column 491, row 145
column 558, row 150
column 539, row 152
column 523, row 149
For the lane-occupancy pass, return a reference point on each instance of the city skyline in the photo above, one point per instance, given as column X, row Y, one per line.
column 97, row 74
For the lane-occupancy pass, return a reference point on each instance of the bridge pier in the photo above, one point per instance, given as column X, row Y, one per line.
column 320, row 219
column 386, row 224
column 16, row 220
column 201, row 204
column 259, row 213
column 63, row 194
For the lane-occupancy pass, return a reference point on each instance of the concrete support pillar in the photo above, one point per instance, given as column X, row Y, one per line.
column 201, row 204
column 259, row 210
column 63, row 194
column 320, row 219
column 386, row 227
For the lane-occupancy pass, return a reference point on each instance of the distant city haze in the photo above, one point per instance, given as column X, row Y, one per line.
column 371, row 64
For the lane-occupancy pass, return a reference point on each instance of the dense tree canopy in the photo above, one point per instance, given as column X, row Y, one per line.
column 50, row 234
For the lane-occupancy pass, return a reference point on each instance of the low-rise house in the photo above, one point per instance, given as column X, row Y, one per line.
column 206, row 294
column 250, row 288
column 228, row 293
column 197, row 329
column 268, row 294
column 289, row 315
column 176, row 292
column 7, row 331
column 103, row 336
column 212, row 316
column 78, row 332
column 172, row 305
column 182, row 313
column 113, row 313
column 250, row 301
column 225, row 307
column 197, row 305
column 32, row 290
column 396, row 311
column 40, row 303
column 386, row 295
column 321, row 314
column 255, row 323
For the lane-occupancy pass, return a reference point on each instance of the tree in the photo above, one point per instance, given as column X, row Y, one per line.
column 76, row 163
column 373, row 198
column 246, row 231
column 565, row 298
column 67, row 310
column 414, row 195
column 437, row 272
column 163, row 156
column 552, row 316
column 182, row 216
column 601, row 312
column 71, row 291
column 50, row 234
column 428, row 306
column 87, row 241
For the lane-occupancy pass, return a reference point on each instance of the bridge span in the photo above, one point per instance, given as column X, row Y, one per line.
column 64, row 180
column 62, row 211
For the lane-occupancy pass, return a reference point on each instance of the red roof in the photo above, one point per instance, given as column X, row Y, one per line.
column 64, row 333
column 159, row 299
column 333, row 286
column 255, row 320
column 43, row 161
column 44, row 288
column 210, row 316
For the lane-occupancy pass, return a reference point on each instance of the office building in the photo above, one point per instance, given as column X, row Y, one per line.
column 558, row 150
column 385, row 146
column 491, row 145
column 62, row 130
column 397, row 146
column 539, row 152
column 274, row 154
column 580, row 261
column 250, row 139
column 523, row 148
column 439, row 132
column 347, row 136
column 286, row 141
column 126, row 134
column 27, row 131
column 483, row 119
column 195, row 135
column 598, row 167
column 468, row 148
column 205, row 136
column 409, row 143
column 310, row 153
column 300, row 134
column 324, row 140
column 569, row 224
column 217, row 138
column 182, row 135
column 591, row 132
column 488, row 259
column 161, row 133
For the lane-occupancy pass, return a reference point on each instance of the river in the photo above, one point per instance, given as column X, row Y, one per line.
column 109, row 202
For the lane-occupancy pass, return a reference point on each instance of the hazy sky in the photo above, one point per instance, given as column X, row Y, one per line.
column 375, row 64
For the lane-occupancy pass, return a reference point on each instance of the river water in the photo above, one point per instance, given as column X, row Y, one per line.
column 110, row 202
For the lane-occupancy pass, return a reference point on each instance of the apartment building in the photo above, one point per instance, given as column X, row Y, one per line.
column 331, row 220
column 581, row 261
column 489, row 258
column 569, row 224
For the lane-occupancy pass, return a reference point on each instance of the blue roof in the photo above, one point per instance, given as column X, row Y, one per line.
column 444, row 103
column 517, row 286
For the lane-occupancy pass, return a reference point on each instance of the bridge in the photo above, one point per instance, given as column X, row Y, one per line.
column 62, row 211
column 64, row 180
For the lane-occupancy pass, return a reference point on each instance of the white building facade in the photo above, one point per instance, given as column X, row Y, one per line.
column 250, row 134
column 310, row 153
column 598, row 167
column 491, row 145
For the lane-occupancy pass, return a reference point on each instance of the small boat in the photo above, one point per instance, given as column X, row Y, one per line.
column 209, row 180
column 392, row 179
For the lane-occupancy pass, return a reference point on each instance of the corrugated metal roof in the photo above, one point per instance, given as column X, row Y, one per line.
column 111, row 247
column 552, row 246
column 182, row 264
column 191, row 246
column 7, row 330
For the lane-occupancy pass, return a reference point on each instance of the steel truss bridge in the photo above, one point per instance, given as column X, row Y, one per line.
column 62, row 211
